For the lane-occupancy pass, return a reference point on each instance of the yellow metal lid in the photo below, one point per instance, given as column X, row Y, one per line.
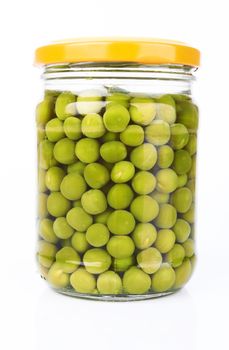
column 148, row 51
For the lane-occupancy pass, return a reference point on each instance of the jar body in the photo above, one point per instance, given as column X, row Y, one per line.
column 116, row 180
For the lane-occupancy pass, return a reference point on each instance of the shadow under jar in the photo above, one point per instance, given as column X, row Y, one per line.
column 116, row 139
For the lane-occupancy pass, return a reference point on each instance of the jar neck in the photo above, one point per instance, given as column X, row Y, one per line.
column 136, row 78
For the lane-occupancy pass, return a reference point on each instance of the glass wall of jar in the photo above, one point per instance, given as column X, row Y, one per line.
column 116, row 178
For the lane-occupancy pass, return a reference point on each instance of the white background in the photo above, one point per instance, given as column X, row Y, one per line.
column 32, row 316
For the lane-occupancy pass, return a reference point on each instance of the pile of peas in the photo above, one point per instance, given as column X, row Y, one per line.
column 116, row 181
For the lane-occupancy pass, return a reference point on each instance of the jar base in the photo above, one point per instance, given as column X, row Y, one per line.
column 114, row 298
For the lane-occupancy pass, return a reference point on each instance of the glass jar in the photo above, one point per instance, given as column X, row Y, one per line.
column 117, row 135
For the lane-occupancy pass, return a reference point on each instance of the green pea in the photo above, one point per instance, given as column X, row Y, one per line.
column 116, row 118
column 135, row 281
column 64, row 151
column 103, row 217
column 79, row 242
column 142, row 110
column 165, row 240
column 109, row 282
column 180, row 97
column 175, row 256
column 77, row 204
column 191, row 145
column 179, row 136
column 158, row 132
column 79, row 219
column 190, row 215
column 183, row 274
column 89, row 101
column 57, row 204
column 144, row 208
column 120, row 247
column 73, row 186
column 44, row 111
column 41, row 180
column 192, row 172
column 54, row 130
column 123, row 264
column 96, row 260
column 144, row 235
column 189, row 247
column 83, row 281
column 122, row 172
column 160, row 197
column 144, row 182
column 94, row 202
column 121, row 222
column 109, row 167
column 120, row 196
column 72, row 128
column 165, row 156
column 181, row 199
column 56, row 277
column 92, row 126
column 53, row 178
column 110, row 136
column 182, row 230
column 182, row 180
column 166, row 109
column 42, row 205
column 96, row 175
column 46, row 231
column 46, row 253
column 77, row 167
column 191, row 184
column 193, row 261
column 62, row 229
column 144, row 157
column 40, row 134
column 52, row 94
column 133, row 135
column 188, row 115
column 118, row 98
column 149, row 260
column 164, row 279
column 167, row 216
column 166, row 180
column 95, row 291
column 65, row 105
column 97, row 235
column 45, row 154
column 87, row 150
column 113, row 151
column 68, row 259
column 182, row 162
column 65, row 242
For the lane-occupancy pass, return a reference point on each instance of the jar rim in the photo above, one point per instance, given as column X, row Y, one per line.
column 139, row 50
